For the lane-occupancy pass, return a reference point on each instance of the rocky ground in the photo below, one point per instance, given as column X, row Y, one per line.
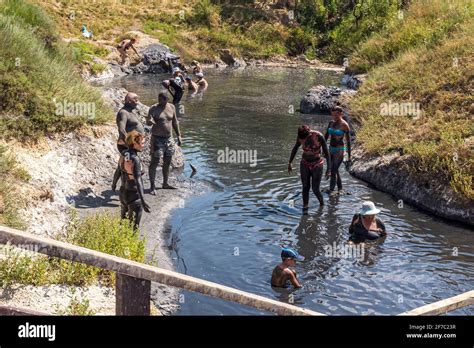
column 75, row 171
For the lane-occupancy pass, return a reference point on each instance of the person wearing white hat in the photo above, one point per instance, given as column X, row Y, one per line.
column 366, row 225
column 201, row 81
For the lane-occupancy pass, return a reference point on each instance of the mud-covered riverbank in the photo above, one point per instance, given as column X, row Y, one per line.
column 74, row 171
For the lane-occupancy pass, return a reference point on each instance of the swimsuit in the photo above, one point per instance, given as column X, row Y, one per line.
column 313, row 146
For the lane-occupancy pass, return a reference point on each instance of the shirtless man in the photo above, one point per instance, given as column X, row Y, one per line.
column 201, row 81
column 282, row 274
column 127, row 121
column 162, row 118
column 124, row 46
column 192, row 86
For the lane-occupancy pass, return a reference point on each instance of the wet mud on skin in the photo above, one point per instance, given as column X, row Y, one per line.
column 232, row 232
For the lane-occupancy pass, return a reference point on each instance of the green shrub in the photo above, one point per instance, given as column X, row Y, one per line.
column 77, row 306
column 10, row 199
column 103, row 233
column 34, row 77
column 300, row 41
column 205, row 13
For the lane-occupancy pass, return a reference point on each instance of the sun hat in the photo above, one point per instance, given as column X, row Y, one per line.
column 368, row 208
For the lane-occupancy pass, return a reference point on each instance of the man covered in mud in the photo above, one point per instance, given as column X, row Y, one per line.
column 162, row 118
column 127, row 121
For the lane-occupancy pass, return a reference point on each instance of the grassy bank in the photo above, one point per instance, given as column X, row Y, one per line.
column 425, row 59
column 11, row 175
column 103, row 233
column 42, row 92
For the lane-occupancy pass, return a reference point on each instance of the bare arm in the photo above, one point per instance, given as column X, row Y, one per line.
column 294, row 150
column 348, row 139
column 293, row 154
column 324, row 146
column 121, row 124
column 149, row 117
column 137, row 175
column 175, row 124
column 133, row 48
column 294, row 281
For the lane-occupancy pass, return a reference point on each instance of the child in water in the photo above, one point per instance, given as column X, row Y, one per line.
column 282, row 274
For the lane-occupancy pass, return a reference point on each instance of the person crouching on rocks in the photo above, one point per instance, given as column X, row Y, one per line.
column 124, row 46
column 162, row 118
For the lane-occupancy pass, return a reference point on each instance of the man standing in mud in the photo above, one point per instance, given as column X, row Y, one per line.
column 162, row 118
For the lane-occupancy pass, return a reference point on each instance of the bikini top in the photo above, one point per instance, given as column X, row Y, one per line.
column 335, row 131
column 311, row 144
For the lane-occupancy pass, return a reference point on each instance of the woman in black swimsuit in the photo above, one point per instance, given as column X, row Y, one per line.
column 132, row 199
column 365, row 225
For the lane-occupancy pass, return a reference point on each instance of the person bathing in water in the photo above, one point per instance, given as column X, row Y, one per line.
column 127, row 121
column 162, row 118
column 124, row 46
column 132, row 198
column 201, row 81
column 337, row 130
column 366, row 225
column 283, row 274
column 192, row 86
column 311, row 166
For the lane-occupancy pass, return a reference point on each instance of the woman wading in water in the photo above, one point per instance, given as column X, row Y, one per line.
column 337, row 130
column 311, row 166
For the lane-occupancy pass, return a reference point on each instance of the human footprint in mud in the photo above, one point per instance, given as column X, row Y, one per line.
column 162, row 118
column 132, row 198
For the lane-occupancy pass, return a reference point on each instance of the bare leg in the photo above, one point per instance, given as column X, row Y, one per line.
column 166, row 172
column 305, row 181
column 317, row 174
column 152, row 173
column 116, row 178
